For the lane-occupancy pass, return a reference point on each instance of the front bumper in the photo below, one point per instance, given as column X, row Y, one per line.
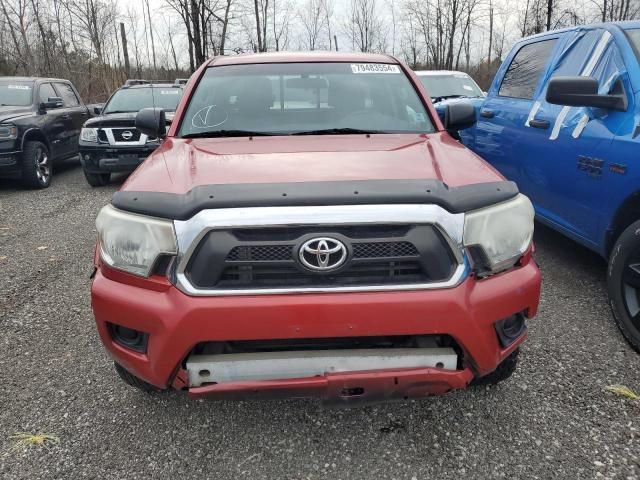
column 9, row 160
column 176, row 323
column 105, row 158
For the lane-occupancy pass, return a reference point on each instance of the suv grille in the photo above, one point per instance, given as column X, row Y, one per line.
column 117, row 134
column 267, row 258
column 102, row 136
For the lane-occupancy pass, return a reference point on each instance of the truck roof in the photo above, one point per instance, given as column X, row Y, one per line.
column 150, row 85
column 624, row 25
column 429, row 73
column 34, row 79
column 296, row 57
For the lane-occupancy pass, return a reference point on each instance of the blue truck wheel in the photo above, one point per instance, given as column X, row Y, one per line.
column 623, row 282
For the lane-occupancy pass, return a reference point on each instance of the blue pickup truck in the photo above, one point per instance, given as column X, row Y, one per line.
column 562, row 119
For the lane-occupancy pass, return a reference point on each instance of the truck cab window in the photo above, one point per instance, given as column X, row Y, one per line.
column 523, row 75
column 634, row 36
column 68, row 95
column 46, row 92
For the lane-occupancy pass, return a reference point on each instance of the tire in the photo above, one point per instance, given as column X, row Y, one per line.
column 134, row 381
column 36, row 165
column 623, row 284
column 97, row 179
column 504, row 371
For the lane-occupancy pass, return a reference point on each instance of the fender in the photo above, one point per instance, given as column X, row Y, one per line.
column 37, row 131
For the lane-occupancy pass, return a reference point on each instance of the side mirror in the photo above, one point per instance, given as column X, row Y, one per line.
column 97, row 110
column 458, row 116
column 152, row 122
column 583, row 92
column 52, row 103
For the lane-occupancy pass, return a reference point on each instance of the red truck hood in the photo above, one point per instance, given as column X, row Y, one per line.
column 181, row 164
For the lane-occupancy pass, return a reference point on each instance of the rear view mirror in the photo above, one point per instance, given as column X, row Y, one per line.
column 152, row 122
column 583, row 92
column 458, row 116
column 307, row 82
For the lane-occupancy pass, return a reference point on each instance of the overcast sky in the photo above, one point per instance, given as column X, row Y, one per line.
column 507, row 15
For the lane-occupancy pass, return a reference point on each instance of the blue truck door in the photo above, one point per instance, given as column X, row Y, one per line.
column 500, row 137
column 566, row 172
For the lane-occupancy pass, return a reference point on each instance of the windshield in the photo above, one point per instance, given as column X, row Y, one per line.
column 15, row 93
column 452, row 85
column 304, row 98
column 135, row 99
column 634, row 36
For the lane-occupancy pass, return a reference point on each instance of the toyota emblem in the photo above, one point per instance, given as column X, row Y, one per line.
column 322, row 254
column 127, row 135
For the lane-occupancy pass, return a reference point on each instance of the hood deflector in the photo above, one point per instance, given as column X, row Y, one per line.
column 361, row 192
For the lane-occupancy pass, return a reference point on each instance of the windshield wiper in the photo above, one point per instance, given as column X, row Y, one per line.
column 119, row 111
column 227, row 133
column 338, row 131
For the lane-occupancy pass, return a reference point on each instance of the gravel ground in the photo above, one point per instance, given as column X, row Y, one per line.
column 552, row 419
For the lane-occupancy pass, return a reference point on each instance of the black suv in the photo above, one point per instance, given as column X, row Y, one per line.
column 40, row 122
column 110, row 142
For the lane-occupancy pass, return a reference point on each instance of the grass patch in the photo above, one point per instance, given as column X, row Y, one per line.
column 22, row 440
column 622, row 391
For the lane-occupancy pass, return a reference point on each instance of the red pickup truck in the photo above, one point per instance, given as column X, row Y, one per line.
column 309, row 227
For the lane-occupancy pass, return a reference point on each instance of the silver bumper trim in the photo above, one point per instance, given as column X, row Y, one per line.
column 239, row 367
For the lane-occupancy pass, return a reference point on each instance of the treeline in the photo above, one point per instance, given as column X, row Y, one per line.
column 99, row 43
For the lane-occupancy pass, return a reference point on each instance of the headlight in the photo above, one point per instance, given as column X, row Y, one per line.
column 89, row 135
column 502, row 232
column 8, row 132
column 132, row 242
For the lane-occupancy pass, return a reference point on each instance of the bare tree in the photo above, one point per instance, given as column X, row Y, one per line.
column 364, row 25
column 153, row 43
column 312, row 16
column 328, row 7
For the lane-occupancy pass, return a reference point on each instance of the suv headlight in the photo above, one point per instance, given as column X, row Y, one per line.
column 133, row 242
column 502, row 232
column 89, row 135
column 8, row 132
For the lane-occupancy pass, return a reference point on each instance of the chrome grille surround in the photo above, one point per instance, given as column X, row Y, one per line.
column 190, row 232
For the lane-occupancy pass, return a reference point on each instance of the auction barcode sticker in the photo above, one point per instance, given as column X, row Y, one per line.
column 19, row 87
column 374, row 68
column 169, row 92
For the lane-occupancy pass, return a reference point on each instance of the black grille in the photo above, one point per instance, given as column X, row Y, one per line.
column 384, row 250
column 267, row 253
column 261, row 253
column 370, row 273
column 267, row 257
column 117, row 134
column 102, row 136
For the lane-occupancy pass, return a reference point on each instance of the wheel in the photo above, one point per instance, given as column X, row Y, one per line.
column 36, row 165
column 97, row 179
column 504, row 371
column 134, row 381
column 623, row 283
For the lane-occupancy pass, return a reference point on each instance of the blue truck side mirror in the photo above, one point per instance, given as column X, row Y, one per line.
column 583, row 92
